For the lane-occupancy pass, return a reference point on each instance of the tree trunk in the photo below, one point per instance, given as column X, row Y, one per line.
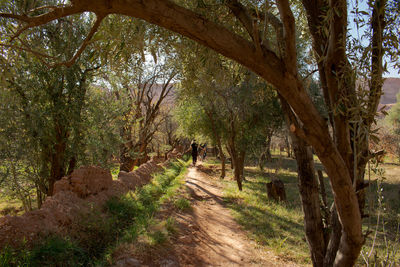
column 39, row 197
column 230, row 154
column 71, row 165
column 237, row 163
column 309, row 193
column 237, row 172
column 334, row 239
column 261, row 160
column 127, row 164
column 222, row 156
column 218, row 140
column 57, row 168
column 268, row 147
column 241, row 165
column 142, row 155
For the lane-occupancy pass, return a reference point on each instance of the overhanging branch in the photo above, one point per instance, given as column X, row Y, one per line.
column 84, row 44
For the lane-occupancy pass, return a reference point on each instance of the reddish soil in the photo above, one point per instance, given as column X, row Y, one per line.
column 208, row 234
column 212, row 237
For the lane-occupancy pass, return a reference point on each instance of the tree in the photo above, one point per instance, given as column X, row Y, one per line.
column 226, row 103
column 273, row 57
column 49, row 103
column 143, row 92
column 141, row 74
column 198, row 118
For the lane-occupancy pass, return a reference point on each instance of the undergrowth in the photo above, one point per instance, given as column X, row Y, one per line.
column 123, row 219
column 280, row 226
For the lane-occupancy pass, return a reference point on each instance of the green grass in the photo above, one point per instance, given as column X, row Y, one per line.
column 114, row 171
column 279, row 226
column 46, row 253
column 383, row 223
column 124, row 219
column 182, row 204
column 8, row 203
column 142, row 207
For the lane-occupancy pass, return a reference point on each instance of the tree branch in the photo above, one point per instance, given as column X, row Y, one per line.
column 376, row 82
column 39, row 55
column 52, row 7
column 85, row 43
column 54, row 14
column 36, row 53
column 242, row 15
column 287, row 18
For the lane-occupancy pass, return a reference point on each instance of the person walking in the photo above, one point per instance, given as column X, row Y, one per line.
column 194, row 152
column 204, row 151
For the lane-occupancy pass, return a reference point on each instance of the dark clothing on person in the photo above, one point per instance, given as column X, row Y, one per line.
column 204, row 148
column 194, row 148
column 194, row 152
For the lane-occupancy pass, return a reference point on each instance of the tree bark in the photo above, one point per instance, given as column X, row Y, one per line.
column 268, row 147
column 237, row 172
column 222, row 156
column 309, row 192
column 57, row 168
column 230, row 154
column 261, row 160
column 334, row 239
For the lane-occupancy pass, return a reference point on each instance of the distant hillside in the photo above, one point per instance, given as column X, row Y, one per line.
column 391, row 88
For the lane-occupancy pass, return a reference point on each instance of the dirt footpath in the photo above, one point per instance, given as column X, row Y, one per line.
column 210, row 236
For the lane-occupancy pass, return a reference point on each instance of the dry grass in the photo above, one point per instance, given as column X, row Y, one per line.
column 280, row 226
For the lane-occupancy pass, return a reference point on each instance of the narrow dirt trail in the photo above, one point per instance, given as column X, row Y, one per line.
column 211, row 237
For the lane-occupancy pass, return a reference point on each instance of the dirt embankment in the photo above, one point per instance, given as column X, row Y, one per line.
column 84, row 191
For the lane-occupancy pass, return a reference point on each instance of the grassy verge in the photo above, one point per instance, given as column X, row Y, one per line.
column 123, row 220
column 146, row 229
column 276, row 226
column 279, row 226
